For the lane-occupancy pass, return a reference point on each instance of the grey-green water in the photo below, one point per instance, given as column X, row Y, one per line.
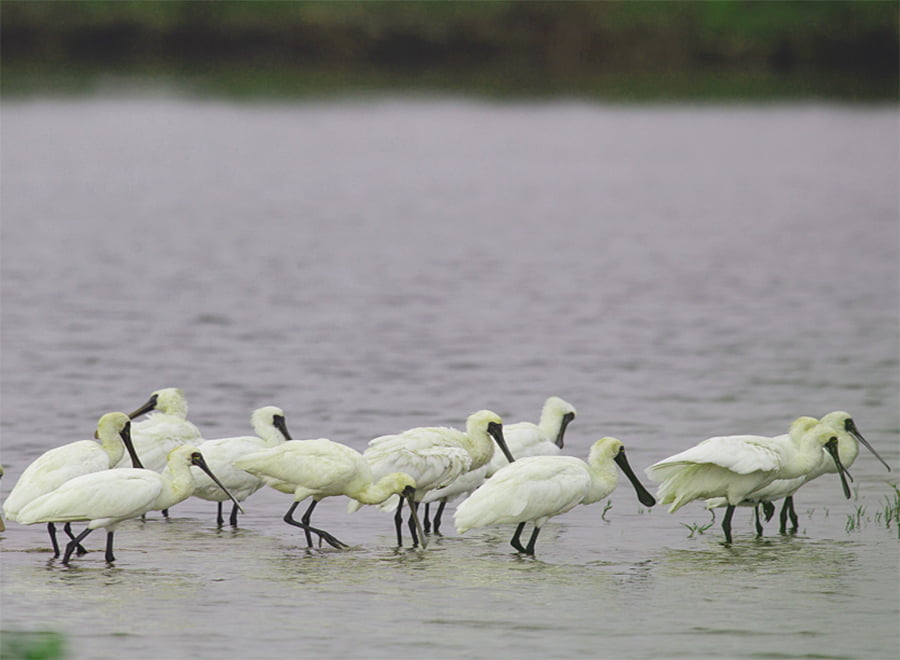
column 674, row 272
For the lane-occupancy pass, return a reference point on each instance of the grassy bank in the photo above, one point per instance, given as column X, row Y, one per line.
column 618, row 49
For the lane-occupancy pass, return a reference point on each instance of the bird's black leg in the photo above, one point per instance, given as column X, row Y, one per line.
column 308, row 529
column 80, row 550
column 219, row 519
column 789, row 502
column 70, row 548
column 51, row 530
column 426, row 526
column 289, row 519
column 514, row 542
column 412, row 525
column 323, row 535
column 437, row 518
column 109, row 545
column 232, row 519
column 398, row 522
column 165, row 513
column 759, row 527
column 726, row 523
column 529, row 549
column 768, row 510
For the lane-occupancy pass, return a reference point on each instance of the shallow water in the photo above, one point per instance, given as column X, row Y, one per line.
column 674, row 272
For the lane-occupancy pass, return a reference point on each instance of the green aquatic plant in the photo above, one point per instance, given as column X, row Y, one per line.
column 887, row 515
column 38, row 645
column 606, row 508
column 890, row 512
column 855, row 519
column 696, row 528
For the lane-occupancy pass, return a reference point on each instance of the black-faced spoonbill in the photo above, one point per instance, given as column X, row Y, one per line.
column 522, row 439
column 55, row 467
column 848, row 440
column 2, row 522
column 545, row 438
column 322, row 468
column 734, row 466
column 537, row 488
column 271, row 430
column 434, row 457
column 107, row 498
column 165, row 428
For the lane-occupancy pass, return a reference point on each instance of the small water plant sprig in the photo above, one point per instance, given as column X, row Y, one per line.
column 696, row 528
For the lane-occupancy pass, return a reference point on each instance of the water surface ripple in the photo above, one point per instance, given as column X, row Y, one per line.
column 674, row 272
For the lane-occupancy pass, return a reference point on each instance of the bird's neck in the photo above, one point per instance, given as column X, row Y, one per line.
column 177, row 486
column 803, row 457
column 604, row 478
column 114, row 447
column 377, row 492
column 480, row 446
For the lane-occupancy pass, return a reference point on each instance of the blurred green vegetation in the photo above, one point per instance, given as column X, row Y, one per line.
column 18, row 645
column 615, row 49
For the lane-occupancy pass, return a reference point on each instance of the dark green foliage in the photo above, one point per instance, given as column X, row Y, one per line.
column 614, row 48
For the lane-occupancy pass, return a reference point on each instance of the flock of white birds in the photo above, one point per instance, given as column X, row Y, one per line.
column 509, row 474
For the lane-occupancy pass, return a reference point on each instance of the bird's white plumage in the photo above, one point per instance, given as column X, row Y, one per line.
column 107, row 498
column 57, row 466
column 848, row 451
column 306, row 468
column 537, row 488
column 436, row 455
column 321, row 468
column 104, row 498
column 164, row 429
column 433, row 456
column 542, row 439
column 221, row 453
column 462, row 485
column 532, row 489
column 734, row 466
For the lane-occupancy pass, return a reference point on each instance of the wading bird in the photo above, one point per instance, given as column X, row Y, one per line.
column 434, row 457
column 522, row 439
column 55, row 467
column 108, row 498
column 322, row 468
column 220, row 454
column 537, row 488
column 848, row 439
column 542, row 439
column 165, row 428
column 732, row 467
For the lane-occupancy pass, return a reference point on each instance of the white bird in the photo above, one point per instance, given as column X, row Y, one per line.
column 164, row 429
column 542, row 439
column 2, row 522
column 322, row 468
column 55, row 467
column 271, row 430
column 522, row 439
column 734, row 466
column 108, row 498
column 463, row 485
column 848, row 439
column 434, row 457
column 537, row 488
